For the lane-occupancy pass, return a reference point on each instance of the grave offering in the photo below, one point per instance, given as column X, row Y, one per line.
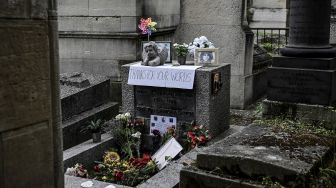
column 306, row 71
column 151, row 56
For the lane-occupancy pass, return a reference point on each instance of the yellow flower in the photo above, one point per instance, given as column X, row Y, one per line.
column 152, row 24
column 111, row 157
column 104, row 178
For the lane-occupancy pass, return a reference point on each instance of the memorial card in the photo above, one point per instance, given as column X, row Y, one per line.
column 161, row 123
column 168, row 151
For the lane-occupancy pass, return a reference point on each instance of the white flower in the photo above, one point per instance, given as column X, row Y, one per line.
column 118, row 117
column 137, row 135
column 70, row 171
column 197, row 41
column 127, row 115
column 203, row 39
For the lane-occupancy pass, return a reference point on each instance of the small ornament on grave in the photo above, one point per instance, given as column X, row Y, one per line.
column 181, row 51
column 151, row 56
column 147, row 26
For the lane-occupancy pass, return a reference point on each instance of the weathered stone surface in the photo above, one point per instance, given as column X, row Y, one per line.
column 73, row 7
column 242, row 155
column 223, row 25
column 75, row 182
column 193, row 177
column 305, row 63
column 30, row 137
column 112, row 8
column 198, row 12
column 206, row 108
column 212, row 111
column 304, row 112
column 87, row 152
column 309, row 86
column 90, row 24
column 72, row 128
column 22, row 9
column 75, row 100
column 21, row 149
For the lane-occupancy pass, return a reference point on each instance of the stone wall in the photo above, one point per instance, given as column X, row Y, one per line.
column 30, row 139
column 333, row 23
column 222, row 22
column 97, row 36
column 269, row 14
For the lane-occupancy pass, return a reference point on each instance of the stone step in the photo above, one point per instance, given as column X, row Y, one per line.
column 87, row 152
column 72, row 134
column 75, row 100
column 253, row 153
column 196, row 178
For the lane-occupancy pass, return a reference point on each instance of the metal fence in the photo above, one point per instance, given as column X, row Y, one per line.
column 272, row 39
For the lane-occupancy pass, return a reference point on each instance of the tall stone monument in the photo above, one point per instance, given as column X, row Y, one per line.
column 224, row 23
column 305, row 72
column 30, row 129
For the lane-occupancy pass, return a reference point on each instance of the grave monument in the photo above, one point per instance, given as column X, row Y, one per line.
column 305, row 74
column 198, row 100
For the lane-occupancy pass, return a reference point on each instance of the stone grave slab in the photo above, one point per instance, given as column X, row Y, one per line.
column 81, row 92
column 260, row 151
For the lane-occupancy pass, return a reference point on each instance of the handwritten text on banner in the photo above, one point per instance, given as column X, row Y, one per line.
column 162, row 76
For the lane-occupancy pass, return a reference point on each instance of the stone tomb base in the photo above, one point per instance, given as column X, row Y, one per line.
column 302, row 80
column 200, row 103
column 304, row 112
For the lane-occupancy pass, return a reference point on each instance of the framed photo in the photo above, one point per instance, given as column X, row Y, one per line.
column 162, row 45
column 206, row 56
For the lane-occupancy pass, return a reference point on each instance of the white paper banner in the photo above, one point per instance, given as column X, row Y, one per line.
column 162, row 76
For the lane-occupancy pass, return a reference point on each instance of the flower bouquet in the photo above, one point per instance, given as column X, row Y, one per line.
column 199, row 42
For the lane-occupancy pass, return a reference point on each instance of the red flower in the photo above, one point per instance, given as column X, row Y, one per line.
column 202, row 139
column 191, row 134
column 96, row 168
column 119, row 175
column 146, row 157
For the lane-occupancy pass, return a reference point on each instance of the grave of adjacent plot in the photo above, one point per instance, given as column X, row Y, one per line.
column 257, row 151
column 304, row 76
column 84, row 97
column 175, row 93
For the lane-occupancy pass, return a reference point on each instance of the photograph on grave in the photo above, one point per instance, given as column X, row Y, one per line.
column 206, row 56
column 164, row 47
column 161, row 123
column 216, row 82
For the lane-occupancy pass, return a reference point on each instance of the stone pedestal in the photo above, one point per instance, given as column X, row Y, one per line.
column 302, row 80
column 199, row 103
column 306, row 73
column 309, row 29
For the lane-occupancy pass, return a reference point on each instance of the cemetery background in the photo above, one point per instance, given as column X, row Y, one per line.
column 79, row 59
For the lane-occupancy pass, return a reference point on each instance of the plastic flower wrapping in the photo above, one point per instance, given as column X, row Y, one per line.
column 147, row 26
column 200, row 42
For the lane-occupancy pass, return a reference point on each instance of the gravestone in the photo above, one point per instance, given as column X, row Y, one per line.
column 199, row 104
column 305, row 74
column 224, row 23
